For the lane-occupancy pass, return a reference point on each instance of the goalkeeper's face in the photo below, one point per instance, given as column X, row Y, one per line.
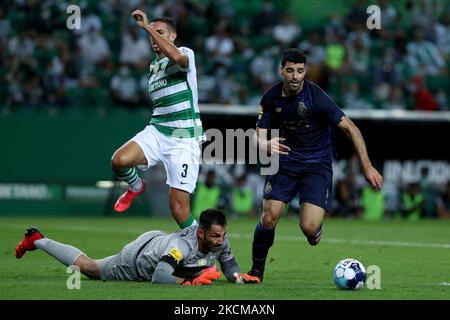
column 212, row 239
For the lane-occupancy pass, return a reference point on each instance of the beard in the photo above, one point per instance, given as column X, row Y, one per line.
column 294, row 89
column 211, row 246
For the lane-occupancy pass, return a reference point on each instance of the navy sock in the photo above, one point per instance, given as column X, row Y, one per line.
column 315, row 240
column 262, row 241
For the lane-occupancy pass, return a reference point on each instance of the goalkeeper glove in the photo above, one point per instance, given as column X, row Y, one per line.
column 245, row 278
column 204, row 279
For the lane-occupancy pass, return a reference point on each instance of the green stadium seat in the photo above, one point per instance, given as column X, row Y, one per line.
column 245, row 9
column 75, row 95
column 436, row 83
column 259, row 42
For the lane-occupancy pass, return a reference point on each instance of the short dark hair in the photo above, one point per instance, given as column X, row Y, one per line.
column 167, row 20
column 209, row 217
column 293, row 55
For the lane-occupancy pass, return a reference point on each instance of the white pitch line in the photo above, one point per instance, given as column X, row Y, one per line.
column 392, row 243
column 366, row 242
column 277, row 237
column 444, row 284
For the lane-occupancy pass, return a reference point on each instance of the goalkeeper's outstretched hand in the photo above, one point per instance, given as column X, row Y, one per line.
column 244, row 278
column 205, row 278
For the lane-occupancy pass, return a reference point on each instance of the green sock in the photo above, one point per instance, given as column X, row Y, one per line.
column 189, row 222
column 131, row 177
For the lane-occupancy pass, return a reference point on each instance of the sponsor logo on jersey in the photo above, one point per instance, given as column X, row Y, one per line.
column 160, row 65
column 176, row 254
column 158, row 84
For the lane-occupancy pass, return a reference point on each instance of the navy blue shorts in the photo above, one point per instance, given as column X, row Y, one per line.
column 313, row 183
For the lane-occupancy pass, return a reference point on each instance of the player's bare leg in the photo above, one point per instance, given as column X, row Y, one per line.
column 64, row 253
column 123, row 163
column 272, row 211
column 88, row 267
column 264, row 235
column 179, row 201
column 128, row 155
column 311, row 218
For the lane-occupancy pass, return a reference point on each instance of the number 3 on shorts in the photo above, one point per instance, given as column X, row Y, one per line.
column 185, row 168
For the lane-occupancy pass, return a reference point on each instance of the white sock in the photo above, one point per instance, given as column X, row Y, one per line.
column 137, row 185
column 64, row 253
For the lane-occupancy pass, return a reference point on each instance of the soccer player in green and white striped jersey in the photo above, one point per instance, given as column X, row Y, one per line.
column 174, row 132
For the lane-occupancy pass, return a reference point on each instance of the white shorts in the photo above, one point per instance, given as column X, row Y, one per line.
column 180, row 156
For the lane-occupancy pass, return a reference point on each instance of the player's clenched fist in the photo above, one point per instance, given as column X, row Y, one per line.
column 140, row 17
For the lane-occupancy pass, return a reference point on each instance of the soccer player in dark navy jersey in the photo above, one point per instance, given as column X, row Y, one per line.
column 306, row 118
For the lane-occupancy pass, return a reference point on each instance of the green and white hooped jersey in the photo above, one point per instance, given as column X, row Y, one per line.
column 173, row 91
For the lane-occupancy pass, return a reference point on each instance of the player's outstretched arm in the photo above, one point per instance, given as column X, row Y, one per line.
column 229, row 268
column 168, row 48
column 370, row 173
column 163, row 274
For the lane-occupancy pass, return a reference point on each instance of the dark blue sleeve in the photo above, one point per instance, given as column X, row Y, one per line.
column 265, row 112
column 326, row 106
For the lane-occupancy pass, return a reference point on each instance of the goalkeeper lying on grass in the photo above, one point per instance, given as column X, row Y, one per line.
column 185, row 257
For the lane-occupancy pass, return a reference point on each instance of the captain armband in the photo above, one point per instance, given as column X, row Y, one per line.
column 173, row 257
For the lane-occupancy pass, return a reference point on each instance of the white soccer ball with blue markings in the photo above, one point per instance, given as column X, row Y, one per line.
column 349, row 274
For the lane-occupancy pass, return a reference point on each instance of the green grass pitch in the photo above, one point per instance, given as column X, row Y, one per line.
column 414, row 259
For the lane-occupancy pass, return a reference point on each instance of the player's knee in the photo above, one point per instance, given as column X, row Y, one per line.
column 268, row 221
column 119, row 161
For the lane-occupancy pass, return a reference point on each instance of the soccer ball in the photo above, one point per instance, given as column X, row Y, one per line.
column 349, row 274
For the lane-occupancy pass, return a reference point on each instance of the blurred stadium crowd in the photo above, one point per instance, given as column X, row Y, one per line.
column 404, row 65
column 104, row 67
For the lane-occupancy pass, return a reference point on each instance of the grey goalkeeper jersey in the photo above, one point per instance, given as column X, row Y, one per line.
column 183, row 247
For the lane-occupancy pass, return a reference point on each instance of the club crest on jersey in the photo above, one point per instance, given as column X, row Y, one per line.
column 202, row 262
column 301, row 108
column 278, row 109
